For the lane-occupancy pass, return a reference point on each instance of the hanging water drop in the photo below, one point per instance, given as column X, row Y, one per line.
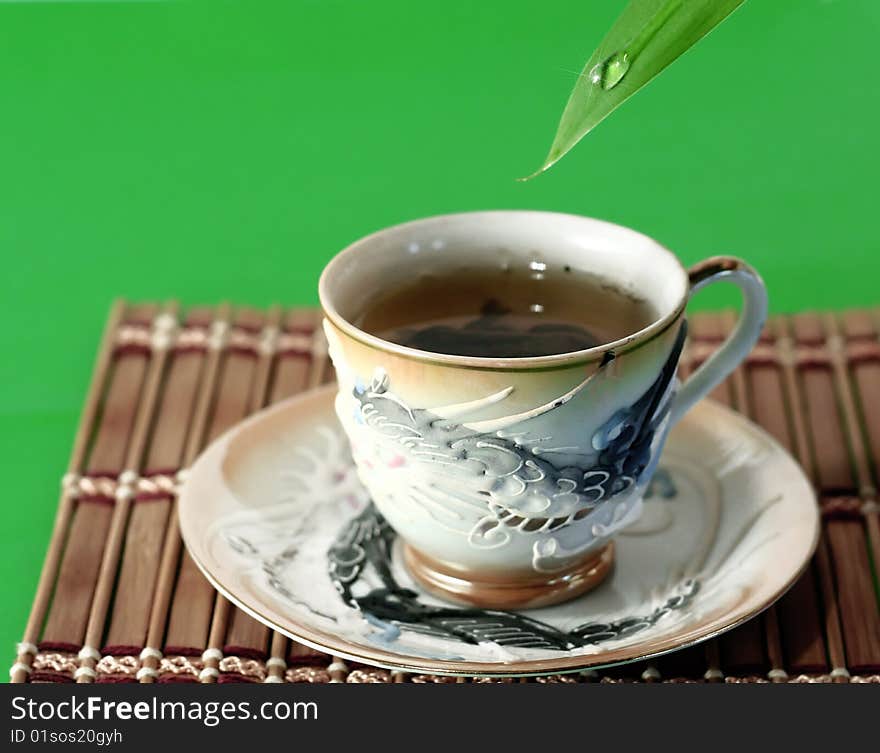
column 611, row 71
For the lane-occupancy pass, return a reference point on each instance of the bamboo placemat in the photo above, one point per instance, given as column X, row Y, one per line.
column 119, row 599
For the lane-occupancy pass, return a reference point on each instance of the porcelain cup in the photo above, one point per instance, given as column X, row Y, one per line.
column 507, row 478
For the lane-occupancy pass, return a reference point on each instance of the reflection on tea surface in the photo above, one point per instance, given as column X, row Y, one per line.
column 506, row 313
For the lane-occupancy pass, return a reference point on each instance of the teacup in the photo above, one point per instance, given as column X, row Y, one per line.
column 507, row 478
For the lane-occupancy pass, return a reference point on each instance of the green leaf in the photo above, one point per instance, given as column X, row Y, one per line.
column 647, row 37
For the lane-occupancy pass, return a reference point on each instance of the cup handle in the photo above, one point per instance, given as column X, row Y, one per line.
column 746, row 332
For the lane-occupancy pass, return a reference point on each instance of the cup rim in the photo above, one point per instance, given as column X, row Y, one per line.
column 525, row 363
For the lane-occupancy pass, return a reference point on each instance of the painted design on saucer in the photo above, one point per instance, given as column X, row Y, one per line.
column 365, row 571
column 371, row 585
column 366, row 543
column 490, row 478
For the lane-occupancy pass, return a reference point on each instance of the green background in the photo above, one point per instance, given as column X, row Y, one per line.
column 210, row 151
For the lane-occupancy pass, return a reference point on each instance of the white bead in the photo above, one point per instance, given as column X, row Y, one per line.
column 212, row 653
column 267, row 341
column 19, row 667
column 87, row 652
column 123, row 492
column 217, row 334
column 165, row 322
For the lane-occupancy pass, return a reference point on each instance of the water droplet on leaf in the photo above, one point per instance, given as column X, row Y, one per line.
column 610, row 71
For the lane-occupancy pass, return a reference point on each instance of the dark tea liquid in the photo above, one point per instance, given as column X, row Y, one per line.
column 506, row 313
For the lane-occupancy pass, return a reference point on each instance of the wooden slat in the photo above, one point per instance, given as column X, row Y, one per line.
column 174, row 423
column 856, row 595
column 76, row 579
column 863, row 354
column 167, row 577
column 147, row 525
column 192, row 607
column 68, row 616
column 808, row 378
column 849, row 538
column 862, row 331
column 824, row 421
column 796, row 621
column 127, row 632
column 762, row 382
column 800, row 625
column 798, row 614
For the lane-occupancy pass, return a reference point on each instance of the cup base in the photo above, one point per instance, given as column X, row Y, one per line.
column 500, row 592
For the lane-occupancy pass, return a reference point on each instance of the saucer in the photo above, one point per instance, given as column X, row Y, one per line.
column 275, row 517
